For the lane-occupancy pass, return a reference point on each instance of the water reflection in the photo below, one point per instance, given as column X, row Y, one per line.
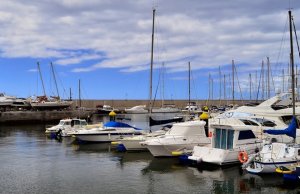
column 64, row 166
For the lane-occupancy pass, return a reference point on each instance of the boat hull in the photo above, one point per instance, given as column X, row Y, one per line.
column 217, row 156
column 268, row 167
column 104, row 137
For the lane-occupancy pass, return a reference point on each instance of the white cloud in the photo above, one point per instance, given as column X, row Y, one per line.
column 208, row 33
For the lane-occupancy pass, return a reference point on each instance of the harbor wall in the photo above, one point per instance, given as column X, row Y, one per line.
column 26, row 117
column 122, row 104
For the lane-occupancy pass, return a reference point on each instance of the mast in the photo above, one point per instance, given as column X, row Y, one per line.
column 54, row 79
column 233, row 82
column 38, row 65
column 151, row 63
column 268, row 73
column 189, row 87
column 79, row 93
column 225, row 90
column 220, row 85
column 282, row 80
column 250, row 80
column 70, row 93
column 292, row 61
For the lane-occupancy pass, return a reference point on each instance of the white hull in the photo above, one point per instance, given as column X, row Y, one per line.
column 134, row 144
column 261, row 168
column 218, row 156
column 104, row 137
column 48, row 105
column 160, row 150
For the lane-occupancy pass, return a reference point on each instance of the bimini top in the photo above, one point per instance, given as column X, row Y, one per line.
column 118, row 124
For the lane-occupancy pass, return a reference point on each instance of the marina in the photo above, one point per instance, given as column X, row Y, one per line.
column 35, row 163
column 128, row 125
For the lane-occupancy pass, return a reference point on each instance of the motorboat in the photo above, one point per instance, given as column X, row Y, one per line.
column 181, row 136
column 268, row 109
column 134, row 143
column 105, row 109
column 13, row 102
column 140, row 109
column 111, row 131
column 67, row 126
column 6, row 100
column 192, row 108
column 257, row 124
column 227, row 141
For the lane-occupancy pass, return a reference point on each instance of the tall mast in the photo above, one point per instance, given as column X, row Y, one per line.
column 220, row 85
column 250, row 80
column 282, row 80
column 163, row 85
column 189, row 87
column 233, row 82
column 268, row 81
column 79, row 88
column 38, row 65
column 292, row 61
column 224, row 89
column 151, row 63
column 54, row 79
column 263, row 79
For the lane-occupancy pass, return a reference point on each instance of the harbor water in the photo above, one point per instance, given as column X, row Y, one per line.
column 32, row 163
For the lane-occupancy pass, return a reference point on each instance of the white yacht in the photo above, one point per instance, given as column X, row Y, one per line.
column 181, row 136
column 111, row 131
column 134, row 143
column 192, row 108
column 6, row 100
column 226, row 143
column 66, row 127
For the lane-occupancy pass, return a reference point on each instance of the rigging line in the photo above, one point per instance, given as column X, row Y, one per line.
column 260, row 77
column 295, row 31
column 282, row 41
column 239, row 84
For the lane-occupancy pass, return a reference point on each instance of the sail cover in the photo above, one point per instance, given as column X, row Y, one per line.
column 290, row 131
column 118, row 124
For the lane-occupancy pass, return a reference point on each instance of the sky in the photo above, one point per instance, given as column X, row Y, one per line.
column 106, row 44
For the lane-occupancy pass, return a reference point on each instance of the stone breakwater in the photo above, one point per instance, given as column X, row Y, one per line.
column 22, row 117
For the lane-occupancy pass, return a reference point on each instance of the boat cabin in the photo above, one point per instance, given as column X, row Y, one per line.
column 228, row 137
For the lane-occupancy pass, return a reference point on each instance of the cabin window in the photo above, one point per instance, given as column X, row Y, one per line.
column 67, row 123
column 298, row 152
column 224, row 138
column 248, row 134
column 248, row 122
column 76, row 122
column 265, row 123
column 83, row 123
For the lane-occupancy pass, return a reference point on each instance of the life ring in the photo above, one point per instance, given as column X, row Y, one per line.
column 243, row 156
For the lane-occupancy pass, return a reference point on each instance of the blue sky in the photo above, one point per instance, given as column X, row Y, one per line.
column 106, row 44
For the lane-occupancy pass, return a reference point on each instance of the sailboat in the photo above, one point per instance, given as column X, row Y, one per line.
column 44, row 102
column 276, row 154
column 151, row 109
